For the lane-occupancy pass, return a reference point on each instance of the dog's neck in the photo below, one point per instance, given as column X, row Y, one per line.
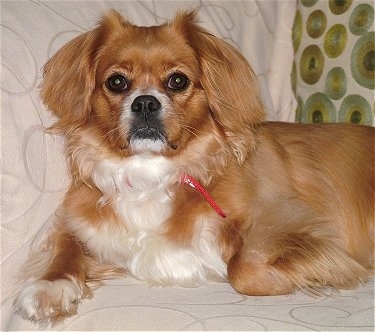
column 138, row 175
column 147, row 181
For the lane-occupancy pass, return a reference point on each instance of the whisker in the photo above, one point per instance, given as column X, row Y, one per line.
column 191, row 130
column 110, row 133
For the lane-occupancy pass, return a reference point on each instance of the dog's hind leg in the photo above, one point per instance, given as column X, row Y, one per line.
column 284, row 262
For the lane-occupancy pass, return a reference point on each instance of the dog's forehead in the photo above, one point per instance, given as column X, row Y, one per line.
column 149, row 46
column 156, row 39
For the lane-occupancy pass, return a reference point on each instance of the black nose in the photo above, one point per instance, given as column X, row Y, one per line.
column 146, row 104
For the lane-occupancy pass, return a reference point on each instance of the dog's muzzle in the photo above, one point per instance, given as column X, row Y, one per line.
column 146, row 122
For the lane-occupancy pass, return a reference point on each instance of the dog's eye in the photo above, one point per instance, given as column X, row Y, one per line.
column 177, row 82
column 117, row 83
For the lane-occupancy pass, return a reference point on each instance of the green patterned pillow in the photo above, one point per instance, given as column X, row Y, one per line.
column 333, row 73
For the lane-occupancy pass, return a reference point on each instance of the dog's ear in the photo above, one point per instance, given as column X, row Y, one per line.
column 69, row 76
column 230, row 85
column 69, row 80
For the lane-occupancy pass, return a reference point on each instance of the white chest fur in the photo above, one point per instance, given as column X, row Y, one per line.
column 139, row 191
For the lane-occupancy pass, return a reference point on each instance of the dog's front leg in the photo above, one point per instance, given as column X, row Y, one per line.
column 56, row 292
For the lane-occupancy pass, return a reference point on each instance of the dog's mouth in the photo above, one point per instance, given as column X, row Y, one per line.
column 148, row 133
column 149, row 139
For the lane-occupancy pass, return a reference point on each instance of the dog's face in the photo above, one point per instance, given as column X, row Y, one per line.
column 148, row 95
column 155, row 89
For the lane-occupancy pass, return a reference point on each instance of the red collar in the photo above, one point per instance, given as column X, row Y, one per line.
column 187, row 179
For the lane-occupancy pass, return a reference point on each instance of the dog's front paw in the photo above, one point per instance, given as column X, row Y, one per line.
column 46, row 301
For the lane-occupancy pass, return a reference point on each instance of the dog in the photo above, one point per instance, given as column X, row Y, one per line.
column 177, row 179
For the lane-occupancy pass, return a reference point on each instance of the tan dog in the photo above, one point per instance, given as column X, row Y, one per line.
column 177, row 179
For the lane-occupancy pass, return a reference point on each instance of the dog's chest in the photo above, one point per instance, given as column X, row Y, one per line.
column 144, row 205
column 138, row 189
column 140, row 193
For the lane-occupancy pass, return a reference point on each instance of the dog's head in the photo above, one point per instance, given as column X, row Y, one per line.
column 159, row 89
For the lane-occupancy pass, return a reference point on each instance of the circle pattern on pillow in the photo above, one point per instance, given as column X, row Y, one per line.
column 363, row 60
column 355, row 109
column 333, row 73
column 336, row 83
column 316, row 24
column 335, row 41
column 311, row 64
column 319, row 108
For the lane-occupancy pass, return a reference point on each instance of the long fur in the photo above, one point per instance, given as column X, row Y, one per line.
column 299, row 199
